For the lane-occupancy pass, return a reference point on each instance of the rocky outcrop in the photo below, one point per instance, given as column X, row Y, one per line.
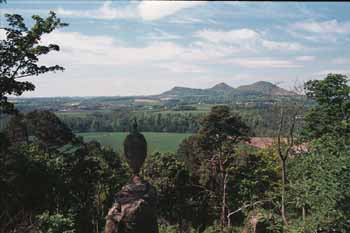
column 134, row 210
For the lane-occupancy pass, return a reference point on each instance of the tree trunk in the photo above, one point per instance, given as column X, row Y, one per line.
column 224, row 201
column 283, row 194
column 303, row 213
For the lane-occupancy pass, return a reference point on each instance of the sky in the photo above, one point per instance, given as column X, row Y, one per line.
column 120, row 48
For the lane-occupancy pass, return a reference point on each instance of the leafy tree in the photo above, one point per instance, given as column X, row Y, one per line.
column 20, row 52
column 219, row 134
column 41, row 124
column 320, row 177
column 80, row 180
column 16, row 130
column 181, row 201
column 287, row 122
column 331, row 115
column 191, row 153
column 55, row 223
column 42, row 127
column 220, row 126
column 212, row 152
column 319, row 186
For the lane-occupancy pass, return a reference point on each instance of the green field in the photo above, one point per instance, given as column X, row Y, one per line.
column 157, row 142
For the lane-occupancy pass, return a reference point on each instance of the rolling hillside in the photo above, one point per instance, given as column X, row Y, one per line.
column 265, row 88
column 261, row 88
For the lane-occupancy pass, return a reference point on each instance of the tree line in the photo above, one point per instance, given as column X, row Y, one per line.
column 262, row 121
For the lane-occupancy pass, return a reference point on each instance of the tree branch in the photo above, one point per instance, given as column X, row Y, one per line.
column 291, row 134
column 245, row 206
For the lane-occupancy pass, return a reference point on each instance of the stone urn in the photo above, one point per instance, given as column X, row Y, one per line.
column 135, row 149
column 134, row 208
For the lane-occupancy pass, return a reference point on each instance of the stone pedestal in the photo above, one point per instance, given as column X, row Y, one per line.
column 134, row 210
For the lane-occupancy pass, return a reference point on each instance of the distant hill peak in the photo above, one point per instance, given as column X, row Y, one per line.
column 264, row 83
column 182, row 91
column 178, row 88
column 222, row 87
column 266, row 88
column 257, row 88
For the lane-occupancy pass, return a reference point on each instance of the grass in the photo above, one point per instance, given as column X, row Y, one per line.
column 157, row 142
column 72, row 114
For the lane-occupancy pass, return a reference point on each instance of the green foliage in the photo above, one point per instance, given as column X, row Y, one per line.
column 255, row 177
column 221, row 126
column 80, row 179
column 90, row 115
column 331, row 115
column 41, row 124
column 320, row 184
column 20, row 52
column 163, row 228
column 180, row 200
column 220, row 132
column 149, row 121
column 226, row 170
column 55, row 223
column 319, row 181
column 217, row 228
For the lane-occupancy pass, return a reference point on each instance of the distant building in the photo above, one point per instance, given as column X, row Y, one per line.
column 264, row 142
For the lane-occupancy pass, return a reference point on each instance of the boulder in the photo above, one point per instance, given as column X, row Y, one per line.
column 134, row 210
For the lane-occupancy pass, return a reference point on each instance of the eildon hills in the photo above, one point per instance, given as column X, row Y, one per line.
column 261, row 88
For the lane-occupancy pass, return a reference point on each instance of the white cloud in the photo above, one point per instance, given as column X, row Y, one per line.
column 154, row 10
column 274, row 45
column 106, row 11
column 320, row 31
column 232, row 36
column 305, row 58
column 246, row 38
column 333, row 71
column 146, row 10
column 187, row 20
column 330, row 26
column 80, row 49
column 162, row 35
column 177, row 67
column 206, row 52
column 341, row 61
column 263, row 63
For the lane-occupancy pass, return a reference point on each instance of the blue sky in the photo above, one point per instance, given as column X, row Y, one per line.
column 139, row 48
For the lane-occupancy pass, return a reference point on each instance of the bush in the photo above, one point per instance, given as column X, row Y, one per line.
column 217, row 229
column 55, row 223
column 163, row 228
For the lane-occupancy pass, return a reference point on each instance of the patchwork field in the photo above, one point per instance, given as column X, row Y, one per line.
column 161, row 142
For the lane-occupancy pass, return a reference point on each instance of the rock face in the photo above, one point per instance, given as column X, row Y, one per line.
column 134, row 210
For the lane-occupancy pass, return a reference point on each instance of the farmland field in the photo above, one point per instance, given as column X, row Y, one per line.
column 157, row 142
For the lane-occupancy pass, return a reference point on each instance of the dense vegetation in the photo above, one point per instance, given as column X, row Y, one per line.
column 53, row 181
column 261, row 120
column 118, row 121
